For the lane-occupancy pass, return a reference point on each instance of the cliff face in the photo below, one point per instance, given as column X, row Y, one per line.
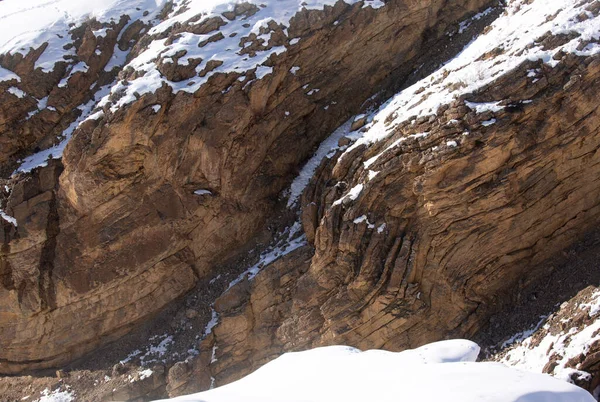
column 429, row 222
column 150, row 142
column 399, row 266
column 48, row 84
column 164, row 178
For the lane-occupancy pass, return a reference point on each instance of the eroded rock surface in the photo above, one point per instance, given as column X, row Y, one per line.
column 452, row 223
column 154, row 193
column 38, row 105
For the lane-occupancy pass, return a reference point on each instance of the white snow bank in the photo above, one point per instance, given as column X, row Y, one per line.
column 439, row 371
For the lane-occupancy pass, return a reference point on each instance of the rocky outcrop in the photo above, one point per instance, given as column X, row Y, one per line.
column 442, row 227
column 155, row 193
column 37, row 106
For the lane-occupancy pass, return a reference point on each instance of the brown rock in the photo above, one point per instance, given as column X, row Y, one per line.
column 122, row 233
column 464, row 227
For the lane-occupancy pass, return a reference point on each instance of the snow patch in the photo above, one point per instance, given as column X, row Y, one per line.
column 203, row 191
column 324, row 151
column 351, row 195
column 16, row 92
column 484, row 107
column 8, row 218
column 57, row 395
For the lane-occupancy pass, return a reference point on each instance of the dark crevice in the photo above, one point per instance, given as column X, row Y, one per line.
column 46, row 286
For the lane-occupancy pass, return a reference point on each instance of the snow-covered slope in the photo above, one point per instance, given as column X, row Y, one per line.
column 203, row 37
column 564, row 343
column 227, row 32
column 439, row 371
column 51, row 22
column 521, row 33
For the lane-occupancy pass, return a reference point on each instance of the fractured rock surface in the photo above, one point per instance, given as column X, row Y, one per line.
column 151, row 196
column 450, row 225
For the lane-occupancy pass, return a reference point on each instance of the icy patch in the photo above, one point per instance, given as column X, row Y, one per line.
column 213, row 357
column 203, row 192
column 100, row 33
column 42, row 103
column 145, row 374
column 307, row 172
column 7, row 75
column 351, row 195
column 57, row 396
column 373, row 4
column 593, row 305
column 362, row 219
column 16, row 92
column 484, row 107
column 372, row 175
column 214, row 320
column 8, row 218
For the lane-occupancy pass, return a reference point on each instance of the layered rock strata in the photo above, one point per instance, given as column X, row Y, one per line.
column 156, row 192
column 429, row 246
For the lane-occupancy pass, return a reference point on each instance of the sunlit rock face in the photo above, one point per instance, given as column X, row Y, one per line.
column 173, row 165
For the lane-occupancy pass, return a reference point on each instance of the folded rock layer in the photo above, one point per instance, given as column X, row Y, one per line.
column 153, row 194
column 453, row 223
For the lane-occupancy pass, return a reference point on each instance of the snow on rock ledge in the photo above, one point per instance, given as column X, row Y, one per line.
column 51, row 23
column 527, row 30
column 201, row 38
column 341, row 373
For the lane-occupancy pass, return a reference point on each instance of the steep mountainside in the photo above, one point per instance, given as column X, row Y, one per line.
column 147, row 146
column 446, row 203
column 181, row 162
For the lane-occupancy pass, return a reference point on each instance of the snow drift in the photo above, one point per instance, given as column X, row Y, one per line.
column 439, row 371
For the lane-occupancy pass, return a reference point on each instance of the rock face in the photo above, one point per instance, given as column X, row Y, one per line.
column 452, row 222
column 37, row 106
column 152, row 195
